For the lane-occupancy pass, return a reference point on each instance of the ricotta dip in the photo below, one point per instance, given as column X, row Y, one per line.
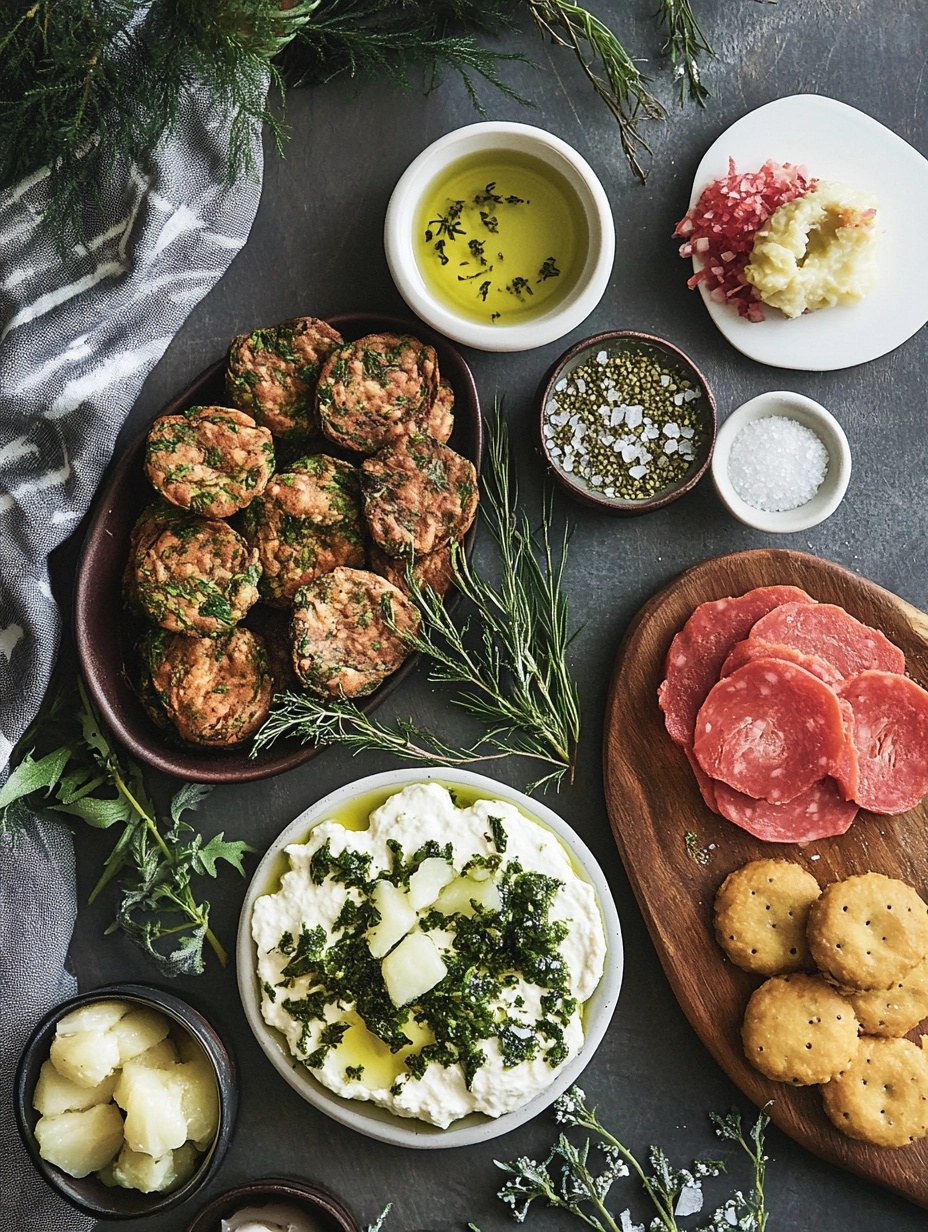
column 435, row 963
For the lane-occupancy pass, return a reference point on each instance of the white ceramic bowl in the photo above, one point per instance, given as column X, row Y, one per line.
column 364, row 1117
column 812, row 415
column 546, row 148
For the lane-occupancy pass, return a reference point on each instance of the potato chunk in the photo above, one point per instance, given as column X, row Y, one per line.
column 396, row 918
column 160, row 1056
column 152, row 1099
column 54, row 1094
column 458, row 897
column 199, row 1100
column 139, row 1030
column 85, row 1057
column 80, row 1142
column 97, row 1016
column 412, row 969
column 135, row 1170
column 428, row 881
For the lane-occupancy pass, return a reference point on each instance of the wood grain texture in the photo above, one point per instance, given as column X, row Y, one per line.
column 653, row 801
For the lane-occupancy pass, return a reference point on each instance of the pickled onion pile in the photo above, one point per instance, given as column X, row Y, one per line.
column 720, row 228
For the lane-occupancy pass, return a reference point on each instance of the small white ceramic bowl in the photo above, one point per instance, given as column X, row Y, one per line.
column 491, row 136
column 812, row 415
column 366, row 1118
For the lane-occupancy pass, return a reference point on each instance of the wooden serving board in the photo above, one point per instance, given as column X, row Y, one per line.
column 653, row 801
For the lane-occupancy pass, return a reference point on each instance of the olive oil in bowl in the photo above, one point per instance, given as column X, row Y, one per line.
column 500, row 237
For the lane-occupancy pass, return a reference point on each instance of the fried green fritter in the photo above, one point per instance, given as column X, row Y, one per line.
column 418, row 495
column 377, row 388
column 198, row 577
column 347, row 632
column 307, row 522
column 215, row 691
column 272, row 374
column 211, row 460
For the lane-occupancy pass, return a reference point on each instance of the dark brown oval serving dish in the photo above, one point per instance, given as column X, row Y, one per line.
column 101, row 630
column 325, row 1209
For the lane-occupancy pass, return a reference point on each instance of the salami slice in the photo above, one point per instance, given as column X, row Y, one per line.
column 755, row 648
column 770, row 730
column 847, row 772
column 703, row 782
column 832, row 634
column 890, row 734
column 818, row 812
column 700, row 648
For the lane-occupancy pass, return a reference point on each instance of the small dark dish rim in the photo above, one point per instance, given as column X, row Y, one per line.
column 318, row 1202
column 609, row 504
column 99, row 627
column 88, row 1193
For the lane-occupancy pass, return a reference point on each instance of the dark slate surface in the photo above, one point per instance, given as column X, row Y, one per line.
column 316, row 248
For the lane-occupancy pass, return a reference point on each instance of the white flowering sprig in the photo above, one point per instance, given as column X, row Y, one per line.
column 674, row 1192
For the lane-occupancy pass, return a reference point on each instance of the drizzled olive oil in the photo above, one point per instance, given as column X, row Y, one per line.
column 500, row 237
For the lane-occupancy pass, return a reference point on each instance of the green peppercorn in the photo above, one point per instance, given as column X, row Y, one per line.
column 624, row 426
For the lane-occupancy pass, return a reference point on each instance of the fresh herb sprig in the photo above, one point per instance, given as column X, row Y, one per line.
column 513, row 674
column 581, row 1191
column 611, row 71
column 84, row 777
column 686, row 45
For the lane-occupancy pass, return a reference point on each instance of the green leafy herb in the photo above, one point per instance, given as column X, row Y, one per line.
column 513, row 674
column 701, row 855
column 581, row 1190
column 685, row 44
column 157, row 865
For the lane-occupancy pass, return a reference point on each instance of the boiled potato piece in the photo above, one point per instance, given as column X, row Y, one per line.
column 54, row 1094
column 80, row 1142
column 188, row 1049
column 428, row 881
column 186, row 1159
column 396, row 918
column 160, row 1056
column 98, row 1016
column 412, row 969
column 199, row 1101
column 139, row 1030
column 134, row 1170
column 85, row 1057
column 458, row 897
column 152, row 1099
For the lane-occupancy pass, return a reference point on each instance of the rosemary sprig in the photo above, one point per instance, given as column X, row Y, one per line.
column 611, row 71
column 581, row 1191
column 685, row 44
column 513, row 675
column 84, row 777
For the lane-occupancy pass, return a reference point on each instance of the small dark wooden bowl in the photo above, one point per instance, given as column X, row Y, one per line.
column 615, row 340
column 326, row 1209
column 89, row 1193
column 102, row 632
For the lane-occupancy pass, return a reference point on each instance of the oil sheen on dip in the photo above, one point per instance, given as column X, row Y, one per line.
column 507, row 1015
column 500, row 237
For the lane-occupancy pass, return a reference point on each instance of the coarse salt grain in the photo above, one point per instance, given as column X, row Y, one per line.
column 777, row 464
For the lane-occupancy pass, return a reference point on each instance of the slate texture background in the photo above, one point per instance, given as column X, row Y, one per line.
column 316, row 248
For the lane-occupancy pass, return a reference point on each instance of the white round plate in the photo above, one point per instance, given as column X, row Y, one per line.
column 833, row 142
column 367, row 1118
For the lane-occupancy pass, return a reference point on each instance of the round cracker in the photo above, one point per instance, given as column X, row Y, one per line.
column 760, row 916
column 896, row 1010
column 882, row 1096
column 868, row 931
column 798, row 1029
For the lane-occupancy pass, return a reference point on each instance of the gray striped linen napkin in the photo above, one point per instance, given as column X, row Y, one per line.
column 78, row 336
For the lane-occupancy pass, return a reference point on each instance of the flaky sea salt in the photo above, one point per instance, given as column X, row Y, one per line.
column 777, row 464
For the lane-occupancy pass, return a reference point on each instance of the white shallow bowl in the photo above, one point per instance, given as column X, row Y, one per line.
column 812, row 415
column 365, row 1117
column 492, row 136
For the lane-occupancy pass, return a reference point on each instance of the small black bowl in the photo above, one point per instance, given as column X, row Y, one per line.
column 613, row 343
column 326, row 1209
column 89, row 1193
